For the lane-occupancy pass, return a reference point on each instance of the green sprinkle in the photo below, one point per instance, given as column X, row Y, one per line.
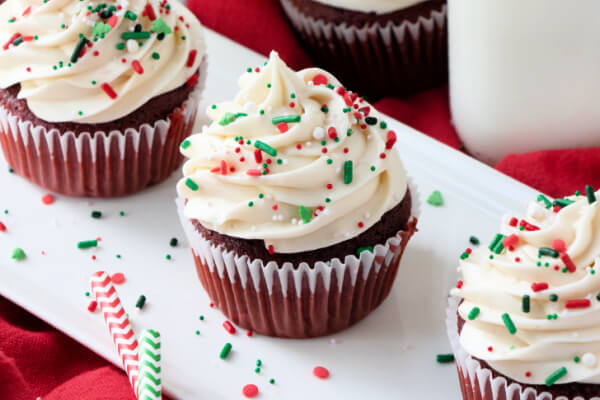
column 160, row 26
column 578, row 193
column 305, row 213
column 135, row 35
column 279, row 161
column 464, row 255
column 436, row 199
column 122, row 213
column 598, row 297
column 474, row 240
column 185, row 144
column 250, row 204
column 257, row 370
column 258, row 363
column 325, row 109
column 348, row 172
column 191, row 184
column 156, row 56
column 260, row 195
column 266, row 148
column 474, row 313
column 547, row 251
column 346, row 109
column 553, row 297
column 445, row 358
column 555, row 376
column 589, row 193
column 327, row 200
column 168, row 257
column 120, row 46
column 80, row 112
column 330, row 86
column 78, row 48
column 96, row 214
column 509, row 323
column 225, row 351
column 293, row 95
column 228, row 118
column 86, row 244
column 383, row 125
column 248, row 70
column 496, row 246
column 87, row 294
column 201, row 318
column 118, row 256
column 100, row 28
column 329, row 161
column 18, row 254
column 130, row 15
column 272, row 381
column 525, row 303
column 577, row 359
column 286, row 118
column 373, row 168
column 365, row 248
column 141, row 301
column 544, row 199
column 563, row 202
column 371, row 120
column 173, row 242
column 197, row 332
column 349, row 132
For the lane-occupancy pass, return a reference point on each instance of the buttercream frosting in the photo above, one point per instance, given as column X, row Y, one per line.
column 368, row 6
column 532, row 305
column 82, row 61
column 294, row 160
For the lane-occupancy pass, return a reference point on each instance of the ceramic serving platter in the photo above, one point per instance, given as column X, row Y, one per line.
column 390, row 355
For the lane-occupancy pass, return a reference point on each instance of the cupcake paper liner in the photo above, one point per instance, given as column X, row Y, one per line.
column 102, row 164
column 307, row 301
column 476, row 381
column 378, row 60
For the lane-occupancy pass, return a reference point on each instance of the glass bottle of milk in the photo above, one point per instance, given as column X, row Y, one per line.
column 524, row 75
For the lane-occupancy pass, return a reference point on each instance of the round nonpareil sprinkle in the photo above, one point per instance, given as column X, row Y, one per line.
column 321, row 372
column 250, row 391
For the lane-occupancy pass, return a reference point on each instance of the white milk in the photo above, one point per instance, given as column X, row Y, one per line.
column 524, row 74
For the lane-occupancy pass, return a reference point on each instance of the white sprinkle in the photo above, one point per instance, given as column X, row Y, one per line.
column 589, row 360
column 319, row 133
column 132, row 46
column 535, row 210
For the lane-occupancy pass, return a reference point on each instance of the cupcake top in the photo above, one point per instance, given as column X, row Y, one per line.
column 294, row 160
column 368, row 6
column 88, row 62
column 532, row 299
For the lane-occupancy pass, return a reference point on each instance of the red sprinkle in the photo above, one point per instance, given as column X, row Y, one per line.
column 556, row 209
column 250, row 391
column 365, row 110
column 275, row 207
column 109, row 91
column 329, row 186
column 48, row 199
column 382, row 155
column 324, row 150
column 528, row 374
column 320, row 79
column 510, row 240
column 346, row 150
column 283, row 127
column 149, row 12
column 459, row 284
column 528, row 226
column 332, row 133
column 271, row 249
column 579, row 303
column 249, row 333
column 223, row 167
column 468, row 250
column 299, row 146
column 137, row 67
column 191, row 58
column 517, row 259
column 347, row 99
column 321, row 372
column 292, row 104
column 2, row 227
column 27, row 11
column 360, row 225
column 112, row 21
column 253, row 172
column 568, row 262
column 118, row 278
column 539, row 286
column 391, row 140
column 92, row 306
column 258, row 156
column 559, row 245
column 490, row 349
column 229, row 327
column 192, row 81
column 513, row 221
column 9, row 42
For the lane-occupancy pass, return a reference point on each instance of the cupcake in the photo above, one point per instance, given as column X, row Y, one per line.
column 295, row 203
column 377, row 47
column 525, row 322
column 95, row 98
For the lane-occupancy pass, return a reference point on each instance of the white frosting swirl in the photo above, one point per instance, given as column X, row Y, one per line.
column 307, row 176
column 58, row 90
column 376, row 6
column 554, row 333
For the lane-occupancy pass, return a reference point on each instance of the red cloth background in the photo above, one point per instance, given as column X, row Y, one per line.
column 36, row 360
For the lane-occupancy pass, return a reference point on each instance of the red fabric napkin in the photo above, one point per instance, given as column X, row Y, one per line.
column 36, row 360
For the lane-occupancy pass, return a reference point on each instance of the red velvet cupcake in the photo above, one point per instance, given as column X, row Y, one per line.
column 296, row 204
column 95, row 99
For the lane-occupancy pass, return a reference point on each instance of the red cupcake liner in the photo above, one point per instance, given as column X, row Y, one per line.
column 378, row 60
column 101, row 164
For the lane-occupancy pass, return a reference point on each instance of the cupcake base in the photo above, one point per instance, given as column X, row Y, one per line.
column 103, row 163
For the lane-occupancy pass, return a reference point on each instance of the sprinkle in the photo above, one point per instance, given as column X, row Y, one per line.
column 168, row 257
column 18, row 254
column 348, row 172
column 78, row 49
column 365, row 248
column 225, row 351
column 559, row 245
column 568, row 262
column 141, row 301
column 109, row 90
column 589, row 193
column 185, row 144
column 2, row 227
column 48, row 199
column 191, row 184
column 525, row 303
column 371, row 120
column 118, row 278
column 96, row 214
column 305, row 213
column 86, row 244
column 321, row 372
column 130, row 15
column 254, row 172
column 509, row 323
column 156, row 56
column 149, row 12
column 272, row 381
column 320, row 79
column 390, row 140
column 161, row 27
column 539, row 286
column 473, row 313
column 545, row 200
column 445, row 358
column 229, row 327
column 510, row 240
column 137, row 67
column 555, row 376
column 553, row 297
column 547, row 251
column 474, row 240
column 283, row 127
column 173, row 242
column 579, row 303
column 266, row 148
column 563, row 202
column 100, row 29
column 436, row 199
column 92, row 306
column 496, row 246
column 286, row 118
column 250, row 390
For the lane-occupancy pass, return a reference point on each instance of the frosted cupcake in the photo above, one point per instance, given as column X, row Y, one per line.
column 96, row 97
column 377, row 47
column 526, row 321
column 295, row 203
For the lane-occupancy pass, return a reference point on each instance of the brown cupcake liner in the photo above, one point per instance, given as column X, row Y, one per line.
column 478, row 382
column 378, row 60
column 307, row 301
column 102, row 164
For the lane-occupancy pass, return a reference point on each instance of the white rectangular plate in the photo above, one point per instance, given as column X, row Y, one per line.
column 390, row 355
